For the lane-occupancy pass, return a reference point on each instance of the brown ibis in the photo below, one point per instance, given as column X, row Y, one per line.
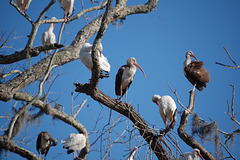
column 130, row 157
column 74, row 143
column 67, row 6
column 191, row 155
column 44, row 142
column 167, row 107
column 86, row 57
column 125, row 77
column 24, row 4
column 194, row 72
column 48, row 37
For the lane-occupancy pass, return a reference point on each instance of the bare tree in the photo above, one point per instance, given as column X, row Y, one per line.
column 159, row 142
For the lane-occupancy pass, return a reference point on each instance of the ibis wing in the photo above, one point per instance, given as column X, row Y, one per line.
column 196, row 74
column 118, row 80
column 38, row 142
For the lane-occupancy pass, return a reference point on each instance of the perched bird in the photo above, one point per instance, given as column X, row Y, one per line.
column 86, row 57
column 67, row 6
column 48, row 37
column 194, row 72
column 125, row 77
column 74, row 143
column 191, row 155
column 44, row 142
column 167, row 107
column 130, row 157
column 24, row 4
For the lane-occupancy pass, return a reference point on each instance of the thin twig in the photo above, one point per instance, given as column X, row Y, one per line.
column 236, row 66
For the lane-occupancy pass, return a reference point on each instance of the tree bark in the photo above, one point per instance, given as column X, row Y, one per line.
column 186, row 137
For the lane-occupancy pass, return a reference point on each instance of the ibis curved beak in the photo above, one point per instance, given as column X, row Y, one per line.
column 140, row 69
column 200, row 155
column 194, row 57
column 157, row 103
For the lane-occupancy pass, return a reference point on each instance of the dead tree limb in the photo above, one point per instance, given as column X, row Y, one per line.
column 236, row 65
column 185, row 136
column 129, row 112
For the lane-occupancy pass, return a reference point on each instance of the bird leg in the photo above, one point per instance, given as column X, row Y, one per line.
column 165, row 123
column 121, row 93
column 126, row 95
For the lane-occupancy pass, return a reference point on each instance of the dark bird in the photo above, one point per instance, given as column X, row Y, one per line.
column 125, row 77
column 74, row 143
column 194, row 72
column 44, row 142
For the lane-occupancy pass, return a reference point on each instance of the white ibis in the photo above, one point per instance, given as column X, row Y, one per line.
column 48, row 37
column 194, row 72
column 86, row 57
column 24, row 4
column 44, row 142
column 167, row 107
column 191, row 155
column 125, row 77
column 67, row 6
column 130, row 157
column 74, row 143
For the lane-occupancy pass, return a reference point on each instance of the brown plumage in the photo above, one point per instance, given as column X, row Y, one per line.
column 194, row 72
column 44, row 142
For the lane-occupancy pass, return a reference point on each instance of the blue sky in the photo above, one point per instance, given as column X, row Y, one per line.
column 159, row 41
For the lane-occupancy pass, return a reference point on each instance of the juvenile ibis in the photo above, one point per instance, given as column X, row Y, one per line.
column 48, row 37
column 125, row 77
column 67, row 6
column 44, row 142
column 130, row 157
column 86, row 57
column 167, row 107
column 191, row 155
column 74, row 143
column 24, row 4
column 194, row 72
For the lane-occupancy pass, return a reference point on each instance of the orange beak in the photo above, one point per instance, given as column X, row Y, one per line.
column 140, row 69
column 100, row 53
column 200, row 155
column 194, row 57
column 157, row 103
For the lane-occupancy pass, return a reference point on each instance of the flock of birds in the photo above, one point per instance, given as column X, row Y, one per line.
column 193, row 70
column 74, row 143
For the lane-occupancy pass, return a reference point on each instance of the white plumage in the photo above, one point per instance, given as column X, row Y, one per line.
column 130, row 157
column 167, row 107
column 86, row 57
column 191, row 155
column 24, row 4
column 67, row 6
column 48, row 37
column 75, row 142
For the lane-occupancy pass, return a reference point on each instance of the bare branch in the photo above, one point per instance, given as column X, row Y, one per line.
column 236, row 66
column 80, row 107
column 33, row 52
column 129, row 112
column 8, row 144
column 21, row 110
column 11, row 72
column 183, row 134
column 21, row 12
